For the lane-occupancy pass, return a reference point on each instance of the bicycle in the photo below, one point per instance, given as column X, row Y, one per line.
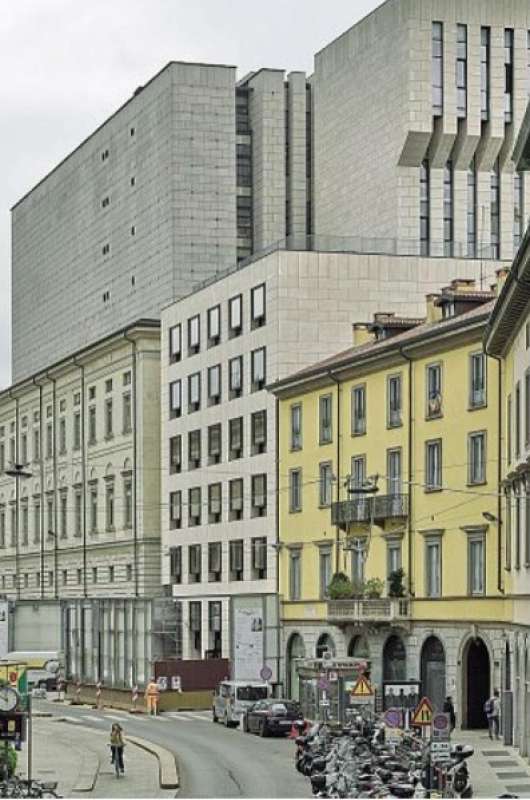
column 117, row 760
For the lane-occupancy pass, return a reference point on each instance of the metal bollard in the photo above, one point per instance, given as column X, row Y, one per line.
column 98, row 695
column 134, row 710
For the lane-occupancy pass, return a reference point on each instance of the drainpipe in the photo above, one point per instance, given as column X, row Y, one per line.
column 134, row 356
column 277, row 538
column 500, row 586
column 337, row 529
column 41, row 472
column 83, row 471
column 54, row 454
column 409, row 470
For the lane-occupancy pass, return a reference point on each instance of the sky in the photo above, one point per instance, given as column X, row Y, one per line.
column 68, row 64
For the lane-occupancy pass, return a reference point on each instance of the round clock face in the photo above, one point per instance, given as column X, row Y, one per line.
column 8, row 698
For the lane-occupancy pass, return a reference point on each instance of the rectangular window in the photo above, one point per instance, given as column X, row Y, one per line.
column 24, row 447
column 325, row 425
column 213, row 320
column 2, row 457
column 109, row 505
column 393, row 557
column 175, row 510
column 127, row 503
column 235, row 438
column 495, row 211
column 63, row 515
column 108, row 419
column 235, row 499
column 194, row 565
column 92, row 425
column 14, row 523
column 518, row 499
column 476, row 564
column 477, row 457
column 358, row 555
column 259, row 558
column 257, row 306
column 194, row 449
column 508, row 75
column 477, row 374
column 434, row 391
column 485, row 73
column 296, row 427
column 358, row 472
column 437, row 69
column 425, row 212
column 195, row 506
column 126, row 413
column 258, row 503
column 235, row 316
column 175, row 564
column 518, row 205
column 433, row 465
column 433, row 566
column 49, row 441
column 194, row 392
column 236, row 560
column 527, row 523
column 258, row 432
column 295, row 490
column 94, row 508
column 394, row 401
column 214, row 385
column 244, row 164
column 394, row 469
column 358, row 411
column 461, row 71
column 78, row 501
column 36, row 522
column 77, row 431
column 215, row 562
column 194, row 335
column 472, row 210
column 175, row 343
column 108, row 385
column 235, row 377
column 214, row 444
column 175, row 399
column 214, row 503
column 257, row 369
column 175, row 454
column 25, row 522
column 517, row 420
column 325, row 484
column 448, row 221
column 325, row 570
column 295, row 575
column 2, row 528
column 36, row 445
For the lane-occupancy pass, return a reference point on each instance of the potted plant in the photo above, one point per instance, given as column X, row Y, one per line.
column 340, row 587
column 373, row 588
column 396, row 586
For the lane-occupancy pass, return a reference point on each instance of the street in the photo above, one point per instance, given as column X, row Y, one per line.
column 213, row 761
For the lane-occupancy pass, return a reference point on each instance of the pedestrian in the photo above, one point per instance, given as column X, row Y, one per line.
column 117, row 744
column 449, row 709
column 152, row 694
column 492, row 709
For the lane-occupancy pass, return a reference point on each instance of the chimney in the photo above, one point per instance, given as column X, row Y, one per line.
column 434, row 313
column 361, row 333
column 462, row 285
column 500, row 275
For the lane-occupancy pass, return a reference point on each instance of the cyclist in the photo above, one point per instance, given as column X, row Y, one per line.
column 116, row 746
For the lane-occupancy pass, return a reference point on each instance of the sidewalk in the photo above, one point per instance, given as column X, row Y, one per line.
column 78, row 757
column 495, row 768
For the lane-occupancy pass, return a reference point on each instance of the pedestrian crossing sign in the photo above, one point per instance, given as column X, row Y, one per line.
column 423, row 712
column 362, row 688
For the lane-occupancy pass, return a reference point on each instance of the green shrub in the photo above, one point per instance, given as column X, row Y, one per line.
column 396, row 586
column 374, row 587
column 340, row 587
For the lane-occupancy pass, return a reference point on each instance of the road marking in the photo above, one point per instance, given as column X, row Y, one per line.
column 75, row 720
column 113, row 716
column 204, row 716
column 92, row 719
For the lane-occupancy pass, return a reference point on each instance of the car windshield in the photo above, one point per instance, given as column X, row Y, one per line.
column 252, row 693
column 283, row 706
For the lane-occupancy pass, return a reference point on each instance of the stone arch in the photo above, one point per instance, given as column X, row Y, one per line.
column 359, row 647
column 433, row 670
column 93, row 474
column 476, row 661
column 127, row 465
column 294, row 652
column 394, row 659
column 324, row 644
column 109, row 470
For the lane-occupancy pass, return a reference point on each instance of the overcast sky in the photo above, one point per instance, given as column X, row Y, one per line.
column 68, row 64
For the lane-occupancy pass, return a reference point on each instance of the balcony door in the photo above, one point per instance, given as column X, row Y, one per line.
column 394, row 472
column 433, row 672
column 394, row 660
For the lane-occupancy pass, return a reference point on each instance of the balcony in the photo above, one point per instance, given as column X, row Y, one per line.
column 369, row 610
column 358, row 510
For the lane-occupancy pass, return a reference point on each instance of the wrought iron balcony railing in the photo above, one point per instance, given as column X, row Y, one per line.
column 358, row 510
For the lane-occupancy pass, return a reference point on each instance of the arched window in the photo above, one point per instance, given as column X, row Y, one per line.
column 394, row 660
column 433, row 671
column 325, row 644
column 359, row 647
column 295, row 652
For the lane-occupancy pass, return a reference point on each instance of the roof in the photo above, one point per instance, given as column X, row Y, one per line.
column 449, row 295
column 365, row 352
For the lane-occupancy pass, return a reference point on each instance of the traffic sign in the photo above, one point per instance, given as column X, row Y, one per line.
column 362, row 688
column 441, row 728
column 333, row 677
column 323, row 684
column 265, row 673
column 423, row 713
column 440, row 752
column 393, row 718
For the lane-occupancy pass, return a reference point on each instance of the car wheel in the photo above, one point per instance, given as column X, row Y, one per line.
column 263, row 729
column 215, row 718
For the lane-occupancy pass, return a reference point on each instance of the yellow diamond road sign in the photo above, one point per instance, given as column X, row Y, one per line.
column 362, row 688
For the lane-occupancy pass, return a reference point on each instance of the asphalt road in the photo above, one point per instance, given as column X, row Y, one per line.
column 213, row 761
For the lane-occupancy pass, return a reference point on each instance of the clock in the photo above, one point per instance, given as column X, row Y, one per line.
column 8, row 699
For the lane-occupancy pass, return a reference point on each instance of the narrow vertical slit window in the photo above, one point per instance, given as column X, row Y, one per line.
column 437, row 69
column 495, row 211
column 485, row 73
column 424, row 209
column 461, row 71
column 508, row 75
column 518, row 203
column 448, row 210
column 472, row 210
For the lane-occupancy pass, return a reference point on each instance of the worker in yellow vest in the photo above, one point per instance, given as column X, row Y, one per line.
column 152, row 695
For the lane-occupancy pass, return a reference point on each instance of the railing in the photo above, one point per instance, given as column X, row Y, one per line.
column 380, row 609
column 359, row 509
column 391, row 506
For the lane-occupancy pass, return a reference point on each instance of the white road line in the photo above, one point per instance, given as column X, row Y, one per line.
column 204, row 717
column 92, row 719
column 75, row 720
column 113, row 716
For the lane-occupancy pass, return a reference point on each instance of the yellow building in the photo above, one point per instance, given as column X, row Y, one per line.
column 388, row 460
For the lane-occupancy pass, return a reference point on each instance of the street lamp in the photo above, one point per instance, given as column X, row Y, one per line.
column 17, row 471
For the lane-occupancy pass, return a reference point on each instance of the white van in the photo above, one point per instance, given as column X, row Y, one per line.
column 232, row 698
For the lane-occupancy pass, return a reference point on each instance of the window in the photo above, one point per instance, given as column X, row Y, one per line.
column 295, row 575
column 78, row 512
column 235, row 316
column 244, row 221
column 25, row 522
column 477, row 457
column 126, row 378
column 517, row 420
column 433, row 566
column 175, row 510
column 434, row 391
column 477, row 394
column 517, row 497
column 433, row 465
column 295, row 490
column 214, row 326
column 94, row 508
column 214, row 502
column 485, row 73
column 108, row 385
column 518, row 216
column 235, row 438
column 127, row 503
column 215, row 562
column 358, row 410
column 195, row 509
column 194, row 392
column 108, row 419
column 527, row 408
column 448, row 226
column 175, row 564
column 214, row 444
column 194, row 335
column 235, row 377
column 393, row 467
column 243, row 164
column 214, row 385
column 175, row 399
column 325, row 484
column 14, row 523
column 63, row 515
column 258, row 432
column 472, row 210
column 325, row 433
column 109, row 505
column 2, row 457
column 111, row 574
column 258, row 506
column 393, row 556
column 36, row 522
column 49, row 441
column 358, row 472
column 476, row 546
column 325, row 570
column 235, row 499
column 175, row 343
column 24, row 446
column 495, row 211
column 105, row 250
column 36, row 445
column 126, row 413
column 296, row 426
column 358, row 558
column 194, row 449
column 257, row 369
column 92, row 425
column 77, row 431
column 509, row 429
column 2, row 527
column 394, row 401
column 257, row 306
column 437, row 69
column 527, row 523
column 79, row 576
column 236, row 559
column 175, row 454
column 461, row 71
column 425, row 209
column 94, row 574
column 508, row 75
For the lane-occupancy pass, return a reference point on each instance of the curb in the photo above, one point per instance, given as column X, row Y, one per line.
column 167, row 768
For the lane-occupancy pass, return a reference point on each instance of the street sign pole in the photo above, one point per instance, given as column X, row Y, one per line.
column 30, row 740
